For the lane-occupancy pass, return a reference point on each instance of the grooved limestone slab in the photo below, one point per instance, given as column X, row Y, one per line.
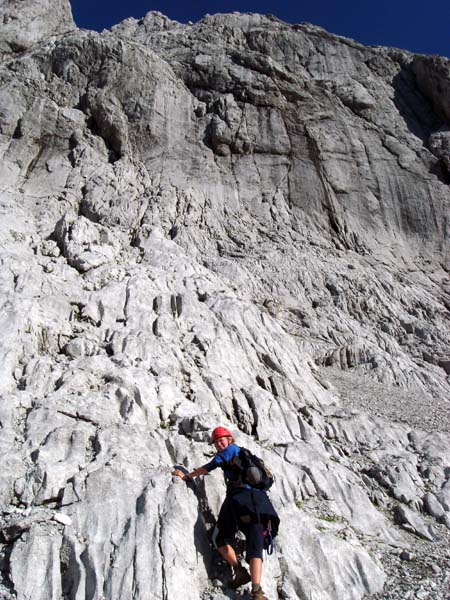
column 241, row 222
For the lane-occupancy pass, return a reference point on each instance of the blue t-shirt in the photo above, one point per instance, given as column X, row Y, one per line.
column 222, row 459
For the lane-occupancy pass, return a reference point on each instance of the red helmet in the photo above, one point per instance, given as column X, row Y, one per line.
column 220, row 432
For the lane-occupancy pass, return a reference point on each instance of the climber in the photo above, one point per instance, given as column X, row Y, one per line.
column 244, row 508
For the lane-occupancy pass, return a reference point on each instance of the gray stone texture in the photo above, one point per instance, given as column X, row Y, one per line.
column 26, row 22
column 238, row 222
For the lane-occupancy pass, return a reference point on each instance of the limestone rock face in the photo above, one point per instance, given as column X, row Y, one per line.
column 237, row 222
column 26, row 22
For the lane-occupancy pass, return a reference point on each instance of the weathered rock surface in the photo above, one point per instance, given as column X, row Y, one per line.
column 242, row 222
column 25, row 22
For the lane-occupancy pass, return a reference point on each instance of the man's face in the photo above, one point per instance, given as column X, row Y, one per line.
column 222, row 443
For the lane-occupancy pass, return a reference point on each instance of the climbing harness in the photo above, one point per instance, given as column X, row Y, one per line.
column 268, row 539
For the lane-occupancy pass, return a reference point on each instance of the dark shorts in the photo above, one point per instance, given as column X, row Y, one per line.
column 248, row 511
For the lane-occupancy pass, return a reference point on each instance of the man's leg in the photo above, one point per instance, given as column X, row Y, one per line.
column 256, row 570
column 227, row 553
column 227, row 528
column 255, row 544
column 240, row 574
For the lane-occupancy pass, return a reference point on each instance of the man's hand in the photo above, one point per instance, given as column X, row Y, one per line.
column 194, row 473
column 178, row 473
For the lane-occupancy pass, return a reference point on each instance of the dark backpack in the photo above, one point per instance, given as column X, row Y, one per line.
column 252, row 470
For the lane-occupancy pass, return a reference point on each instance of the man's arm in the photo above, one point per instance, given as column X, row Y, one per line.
column 191, row 475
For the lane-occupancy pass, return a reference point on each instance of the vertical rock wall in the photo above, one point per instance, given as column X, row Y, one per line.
column 241, row 222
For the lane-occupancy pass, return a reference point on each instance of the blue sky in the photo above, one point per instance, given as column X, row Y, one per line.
column 414, row 25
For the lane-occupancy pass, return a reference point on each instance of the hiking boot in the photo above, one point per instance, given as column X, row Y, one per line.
column 258, row 595
column 241, row 576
